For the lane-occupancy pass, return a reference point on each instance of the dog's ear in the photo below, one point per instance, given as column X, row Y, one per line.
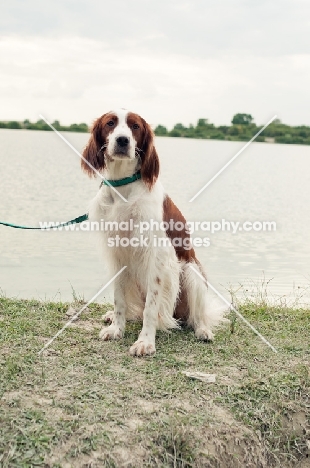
column 150, row 160
column 93, row 155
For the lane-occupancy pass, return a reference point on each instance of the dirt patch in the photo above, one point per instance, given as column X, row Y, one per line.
column 232, row 447
column 85, row 325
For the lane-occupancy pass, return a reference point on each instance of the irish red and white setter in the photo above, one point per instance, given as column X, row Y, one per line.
column 158, row 286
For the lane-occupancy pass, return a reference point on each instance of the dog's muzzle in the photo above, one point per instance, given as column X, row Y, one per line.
column 122, row 145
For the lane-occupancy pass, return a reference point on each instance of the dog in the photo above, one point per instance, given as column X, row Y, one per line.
column 159, row 284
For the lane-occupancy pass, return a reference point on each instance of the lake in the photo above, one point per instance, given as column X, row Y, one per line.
column 42, row 181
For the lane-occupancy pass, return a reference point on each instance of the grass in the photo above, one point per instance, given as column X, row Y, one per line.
column 87, row 403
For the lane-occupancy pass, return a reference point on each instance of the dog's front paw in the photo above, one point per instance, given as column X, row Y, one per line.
column 142, row 348
column 204, row 334
column 111, row 333
column 108, row 316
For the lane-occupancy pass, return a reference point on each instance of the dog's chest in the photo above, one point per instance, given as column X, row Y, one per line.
column 123, row 221
column 131, row 218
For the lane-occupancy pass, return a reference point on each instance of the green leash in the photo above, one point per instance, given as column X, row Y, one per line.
column 77, row 220
column 84, row 217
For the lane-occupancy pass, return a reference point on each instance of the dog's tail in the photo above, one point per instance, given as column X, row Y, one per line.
column 205, row 312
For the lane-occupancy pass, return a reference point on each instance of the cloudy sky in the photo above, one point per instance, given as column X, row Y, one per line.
column 169, row 60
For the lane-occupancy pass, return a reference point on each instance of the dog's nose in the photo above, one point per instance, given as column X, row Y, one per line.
column 122, row 141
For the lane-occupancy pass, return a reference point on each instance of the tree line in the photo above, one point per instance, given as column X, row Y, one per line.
column 242, row 128
column 41, row 125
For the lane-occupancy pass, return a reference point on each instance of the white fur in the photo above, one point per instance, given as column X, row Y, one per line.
column 121, row 129
column 205, row 312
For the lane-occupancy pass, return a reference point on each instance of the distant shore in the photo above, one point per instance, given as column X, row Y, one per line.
column 242, row 129
column 41, row 125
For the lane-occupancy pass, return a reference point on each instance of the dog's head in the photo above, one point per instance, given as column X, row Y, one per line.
column 121, row 135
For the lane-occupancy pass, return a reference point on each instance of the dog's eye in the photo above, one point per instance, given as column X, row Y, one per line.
column 110, row 123
column 135, row 126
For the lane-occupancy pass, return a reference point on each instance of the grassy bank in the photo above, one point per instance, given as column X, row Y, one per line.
column 87, row 403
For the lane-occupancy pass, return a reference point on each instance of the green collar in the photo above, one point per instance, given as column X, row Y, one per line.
column 124, row 181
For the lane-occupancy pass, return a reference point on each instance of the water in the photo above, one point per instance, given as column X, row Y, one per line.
column 41, row 180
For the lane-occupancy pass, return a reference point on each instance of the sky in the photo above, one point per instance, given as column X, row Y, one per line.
column 171, row 61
